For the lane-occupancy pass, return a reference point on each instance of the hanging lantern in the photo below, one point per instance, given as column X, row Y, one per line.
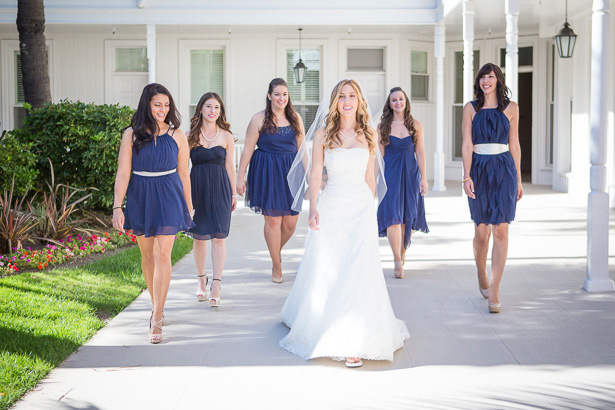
column 300, row 69
column 565, row 39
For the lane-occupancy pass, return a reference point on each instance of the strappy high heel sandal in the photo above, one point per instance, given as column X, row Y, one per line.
column 162, row 320
column 398, row 272
column 155, row 338
column 215, row 302
column 201, row 295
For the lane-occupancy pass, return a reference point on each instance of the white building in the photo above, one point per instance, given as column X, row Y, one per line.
column 105, row 52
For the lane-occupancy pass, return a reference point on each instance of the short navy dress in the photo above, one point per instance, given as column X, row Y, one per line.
column 211, row 193
column 155, row 205
column 267, row 190
column 494, row 176
column 403, row 203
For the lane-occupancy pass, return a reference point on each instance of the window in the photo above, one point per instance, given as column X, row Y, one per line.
column 206, row 74
column 365, row 59
column 305, row 96
column 526, row 56
column 419, row 75
column 131, row 59
column 19, row 112
column 458, row 99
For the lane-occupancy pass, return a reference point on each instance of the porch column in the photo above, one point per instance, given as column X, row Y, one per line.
column 438, row 160
column 597, row 273
column 151, row 53
column 512, row 49
column 468, row 50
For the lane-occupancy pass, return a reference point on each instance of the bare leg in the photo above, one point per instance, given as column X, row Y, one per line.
column 146, row 247
column 289, row 223
column 498, row 260
column 394, row 234
column 403, row 245
column 199, row 251
column 162, row 275
column 273, row 237
column 482, row 234
column 218, row 257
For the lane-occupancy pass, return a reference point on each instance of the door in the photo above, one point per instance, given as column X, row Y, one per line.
column 525, row 124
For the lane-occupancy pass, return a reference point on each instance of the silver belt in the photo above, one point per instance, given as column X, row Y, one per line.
column 154, row 174
column 490, row 149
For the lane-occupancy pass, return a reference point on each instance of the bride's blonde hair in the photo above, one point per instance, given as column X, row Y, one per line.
column 332, row 124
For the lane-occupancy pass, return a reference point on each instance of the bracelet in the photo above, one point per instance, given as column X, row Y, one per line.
column 235, row 196
column 464, row 180
column 117, row 207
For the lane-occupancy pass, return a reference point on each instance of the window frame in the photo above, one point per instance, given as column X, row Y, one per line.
column 110, row 46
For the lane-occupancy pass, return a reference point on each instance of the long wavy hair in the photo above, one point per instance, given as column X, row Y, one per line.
column 387, row 119
column 269, row 125
column 502, row 91
column 144, row 125
column 332, row 122
column 196, row 122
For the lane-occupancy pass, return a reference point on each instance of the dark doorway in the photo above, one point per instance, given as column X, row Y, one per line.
column 525, row 125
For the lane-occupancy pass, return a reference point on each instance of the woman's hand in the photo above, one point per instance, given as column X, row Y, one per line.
column 118, row 219
column 519, row 190
column 423, row 186
column 314, row 220
column 468, row 187
column 233, row 203
column 241, row 185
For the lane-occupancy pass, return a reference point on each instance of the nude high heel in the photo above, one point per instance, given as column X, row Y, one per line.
column 214, row 302
column 201, row 295
column 155, row 338
column 398, row 272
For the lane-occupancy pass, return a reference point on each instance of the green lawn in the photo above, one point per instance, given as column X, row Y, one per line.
column 45, row 316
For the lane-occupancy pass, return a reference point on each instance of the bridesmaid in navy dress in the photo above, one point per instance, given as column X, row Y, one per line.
column 277, row 132
column 158, row 199
column 491, row 173
column 212, row 150
column 403, row 208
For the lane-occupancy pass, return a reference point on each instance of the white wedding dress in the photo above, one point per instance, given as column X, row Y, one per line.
column 339, row 305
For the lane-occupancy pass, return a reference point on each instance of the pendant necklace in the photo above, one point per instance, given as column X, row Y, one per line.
column 352, row 136
column 215, row 136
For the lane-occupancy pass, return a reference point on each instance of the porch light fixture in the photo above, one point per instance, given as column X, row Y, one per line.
column 300, row 68
column 565, row 39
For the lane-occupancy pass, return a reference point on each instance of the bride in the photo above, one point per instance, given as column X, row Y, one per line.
column 339, row 306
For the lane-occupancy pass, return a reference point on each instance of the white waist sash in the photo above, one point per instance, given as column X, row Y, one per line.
column 490, row 149
column 154, row 174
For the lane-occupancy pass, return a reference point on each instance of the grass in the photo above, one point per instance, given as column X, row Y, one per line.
column 45, row 316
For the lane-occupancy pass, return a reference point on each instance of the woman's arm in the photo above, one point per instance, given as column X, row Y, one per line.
column 229, row 164
column 370, row 177
column 419, row 149
column 467, row 148
column 122, row 177
column 513, row 143
column 248, row 149
column 183, row 159
column 318, row 158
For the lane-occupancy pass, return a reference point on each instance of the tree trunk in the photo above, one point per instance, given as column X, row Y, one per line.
column 33, row 51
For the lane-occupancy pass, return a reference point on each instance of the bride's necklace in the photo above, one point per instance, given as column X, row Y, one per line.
column 347, row 137
column 399, row 122
column 215, row 136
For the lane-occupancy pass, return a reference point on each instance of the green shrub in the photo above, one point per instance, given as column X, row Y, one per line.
column 16, row 158
column 81, row 140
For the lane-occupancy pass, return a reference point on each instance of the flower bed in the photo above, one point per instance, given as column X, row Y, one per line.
column 68, row 249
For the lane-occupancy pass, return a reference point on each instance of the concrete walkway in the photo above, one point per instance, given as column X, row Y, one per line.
column 552, row 347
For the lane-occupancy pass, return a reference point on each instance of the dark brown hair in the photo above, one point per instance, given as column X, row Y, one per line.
column 144, row 125
column 387, row 118
column 269, row 126
column 197, row 119
column 501, row 89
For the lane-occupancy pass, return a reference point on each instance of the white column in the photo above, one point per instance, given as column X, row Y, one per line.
column 438, row 160
column 151, row 53
column 597, row 274
column 468, row 50
column 512, row 49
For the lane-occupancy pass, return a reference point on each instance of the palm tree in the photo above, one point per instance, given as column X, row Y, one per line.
column 33, row 51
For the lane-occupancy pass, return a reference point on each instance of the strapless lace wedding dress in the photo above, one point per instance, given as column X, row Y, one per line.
column 339, row 305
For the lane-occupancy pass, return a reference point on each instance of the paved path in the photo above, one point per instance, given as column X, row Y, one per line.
column 552, row 347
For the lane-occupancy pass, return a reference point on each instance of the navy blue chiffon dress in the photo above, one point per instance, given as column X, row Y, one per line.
column 211, row 193
column 494, row 176
column 267, row 190
column 403, row 203
column 155, row 205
